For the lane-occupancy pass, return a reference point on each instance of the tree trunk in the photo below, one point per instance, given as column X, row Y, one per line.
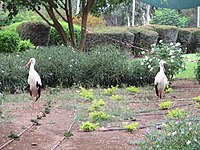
column 58, row 26
column 77, row 7
column 148, row 14
column 133, row 13
column 85, row 11
column 68, row 9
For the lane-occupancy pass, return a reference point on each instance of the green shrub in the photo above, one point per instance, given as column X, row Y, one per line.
column 116, row 97
column 170, row 53
column 110, row 91
column 25, row 45
column 132, row 89
column 87, row 94
column 169, row 17
column 96, row 105
column 55, row 38
column 4, row 19
column 60, row 66
column 37, row 32
column 98, row 116
column 165, row 105
column 88, row 126
column 9, row 42
column 131, row 127
column 177, row 114
column 175, row 134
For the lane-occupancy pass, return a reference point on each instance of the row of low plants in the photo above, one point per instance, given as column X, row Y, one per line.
column 103, row 65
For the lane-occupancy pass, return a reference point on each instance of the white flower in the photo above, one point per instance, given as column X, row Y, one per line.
column 70, row 65
column 160, row 41
column 140, row 77
column 149, row 66
column 190, row 128
column 195, row 140
column 189, row 123
column 145, row 58
column 142, row 63
column 169, row 134
column 171, row 44
column 188, row 142
column 150, row 60
column 151, row 69
column 172, row 60
column 143, row 52
column 182, row 132
column 154, row 44
column 49, row 57
column 72, row 60
column 179, row 50
column 174, row 133
column 178, row 44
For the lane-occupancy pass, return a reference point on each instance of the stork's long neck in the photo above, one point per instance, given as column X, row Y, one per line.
column 162, row 68
column 32, row 67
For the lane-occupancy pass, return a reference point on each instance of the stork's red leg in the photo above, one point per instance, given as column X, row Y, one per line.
column 33, row 102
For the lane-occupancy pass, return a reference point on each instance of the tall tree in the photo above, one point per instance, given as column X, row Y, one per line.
column 54, row 8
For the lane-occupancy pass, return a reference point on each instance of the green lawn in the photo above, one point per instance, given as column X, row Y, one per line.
column 189, row 73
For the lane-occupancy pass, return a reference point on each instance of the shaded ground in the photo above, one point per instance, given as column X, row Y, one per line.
column 54, row 125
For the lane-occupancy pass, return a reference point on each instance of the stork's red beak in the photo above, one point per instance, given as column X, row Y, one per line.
column 28, row 64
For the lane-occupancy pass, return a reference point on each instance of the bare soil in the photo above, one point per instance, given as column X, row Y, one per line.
column 54, row 125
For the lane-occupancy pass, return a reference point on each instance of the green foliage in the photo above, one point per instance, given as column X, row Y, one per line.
column 132, row 89
column 197, row 71
column 88, row 126
column 9, row 42
column 168, row 89
column 68, row 134
column 177, row 114
column 170, row 54
column 169, row 17
column 25, row 45
column 110, row 91
column 96, row 105
column 55, row 38
column 4, row 19
column 197, row 99
column 13, row 136
column 37, row 32
column 98, row 116
column 60, row 66
column 175, row 134
column 131, row 127
column 116, row 97
column 87, row 94
column 165, row 105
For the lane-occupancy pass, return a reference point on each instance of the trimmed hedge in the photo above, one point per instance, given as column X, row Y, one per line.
column 9, row 42
column 103, row 65
column 166, row 33
column 37, row 32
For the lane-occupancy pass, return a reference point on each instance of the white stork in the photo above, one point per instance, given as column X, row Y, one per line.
column 34, row 83
column 160, row 81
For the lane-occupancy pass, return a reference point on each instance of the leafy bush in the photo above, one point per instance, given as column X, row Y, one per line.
column 170, row 54
column 88, row 126
column 96, row 105
column 132, row 89
column 131, row 127
column 177, row 134
column 37, row 32
column 165, row 105
column 177, row 114
column 116, row 97
column 25, row 45
column 169, row 17
column 197, row 71
column 87, row 94
column 110, row 91
column 4, row 19
column 55, row 38
column 92, row 21
column 60, row 66
column 98, row 116
column 168, row 89
column 9, row 42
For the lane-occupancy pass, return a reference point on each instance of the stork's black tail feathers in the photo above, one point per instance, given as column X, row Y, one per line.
column 39, row 91
column 156, row 88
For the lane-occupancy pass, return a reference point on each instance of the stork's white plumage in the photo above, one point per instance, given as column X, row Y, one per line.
column 34, row 82
column 160, row 81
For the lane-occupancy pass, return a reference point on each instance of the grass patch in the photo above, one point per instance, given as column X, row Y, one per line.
column 189, row 73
